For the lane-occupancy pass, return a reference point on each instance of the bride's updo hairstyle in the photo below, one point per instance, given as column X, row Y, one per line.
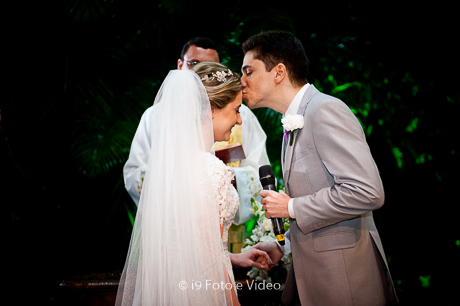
column 222, row 85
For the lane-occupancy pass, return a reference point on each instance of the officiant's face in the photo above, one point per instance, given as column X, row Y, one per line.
column 197, row 55
column 257, row 81
column 223, row 120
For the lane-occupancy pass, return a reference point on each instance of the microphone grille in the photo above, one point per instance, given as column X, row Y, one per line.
column 265, row 171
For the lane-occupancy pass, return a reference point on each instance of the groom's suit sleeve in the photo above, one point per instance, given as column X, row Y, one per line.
column 137, row 163
column 342, row 149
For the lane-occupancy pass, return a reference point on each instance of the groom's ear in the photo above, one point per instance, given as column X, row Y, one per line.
column 280, row 73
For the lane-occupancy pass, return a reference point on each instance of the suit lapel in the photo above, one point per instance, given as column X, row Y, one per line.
column 311, row 91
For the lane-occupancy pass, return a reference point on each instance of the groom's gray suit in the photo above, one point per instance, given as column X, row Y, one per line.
column 337, row 255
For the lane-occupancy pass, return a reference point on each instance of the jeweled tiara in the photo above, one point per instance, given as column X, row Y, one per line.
column 220, row 75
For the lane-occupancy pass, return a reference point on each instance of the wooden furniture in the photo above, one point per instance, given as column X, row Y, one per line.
column 95, row 289
column 231, row 153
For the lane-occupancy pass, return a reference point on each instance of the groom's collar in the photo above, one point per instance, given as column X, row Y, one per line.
column 294, row 106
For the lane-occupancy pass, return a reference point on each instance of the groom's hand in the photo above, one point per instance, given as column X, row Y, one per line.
column 273, row 251
column 275, row 204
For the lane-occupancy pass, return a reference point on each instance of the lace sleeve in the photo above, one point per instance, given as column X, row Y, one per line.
column 221, row 177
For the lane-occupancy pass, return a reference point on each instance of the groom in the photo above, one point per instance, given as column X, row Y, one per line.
column 331, row 180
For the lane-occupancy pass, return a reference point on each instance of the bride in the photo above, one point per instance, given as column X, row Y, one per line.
column 177, row 254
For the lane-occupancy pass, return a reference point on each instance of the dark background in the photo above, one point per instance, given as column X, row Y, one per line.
column 79, row 75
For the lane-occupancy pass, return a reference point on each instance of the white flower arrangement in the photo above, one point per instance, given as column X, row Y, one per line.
column 253, row 183
column 291, row 123
column 263, row 232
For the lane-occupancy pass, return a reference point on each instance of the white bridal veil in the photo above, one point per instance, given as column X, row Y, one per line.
column 175, row 253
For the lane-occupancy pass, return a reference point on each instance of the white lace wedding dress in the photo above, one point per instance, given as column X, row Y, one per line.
column 220, row 176
column 176, row 245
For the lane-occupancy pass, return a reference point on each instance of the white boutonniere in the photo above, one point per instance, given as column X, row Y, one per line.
column 291, row 123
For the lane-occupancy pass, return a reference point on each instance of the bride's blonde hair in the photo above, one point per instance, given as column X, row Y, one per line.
column 220, row 90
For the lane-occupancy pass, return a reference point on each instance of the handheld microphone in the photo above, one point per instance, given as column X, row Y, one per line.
column 267, row 179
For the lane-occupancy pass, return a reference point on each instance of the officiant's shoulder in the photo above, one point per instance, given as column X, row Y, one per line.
column 149, row 110
column 146, row 116
column 245, row 112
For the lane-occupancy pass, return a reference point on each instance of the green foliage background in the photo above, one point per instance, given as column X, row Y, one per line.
column 81, row 73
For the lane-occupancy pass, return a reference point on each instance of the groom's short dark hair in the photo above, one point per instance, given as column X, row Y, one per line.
column 202, row 42
column 274, row 47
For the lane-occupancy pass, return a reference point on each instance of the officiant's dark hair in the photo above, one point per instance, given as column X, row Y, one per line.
column 274, row 47
column 202, row 42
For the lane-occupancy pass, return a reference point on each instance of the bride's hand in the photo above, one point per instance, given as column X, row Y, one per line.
column 251, row 258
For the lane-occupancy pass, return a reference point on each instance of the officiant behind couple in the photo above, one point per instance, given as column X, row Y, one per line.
column 178, row 251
